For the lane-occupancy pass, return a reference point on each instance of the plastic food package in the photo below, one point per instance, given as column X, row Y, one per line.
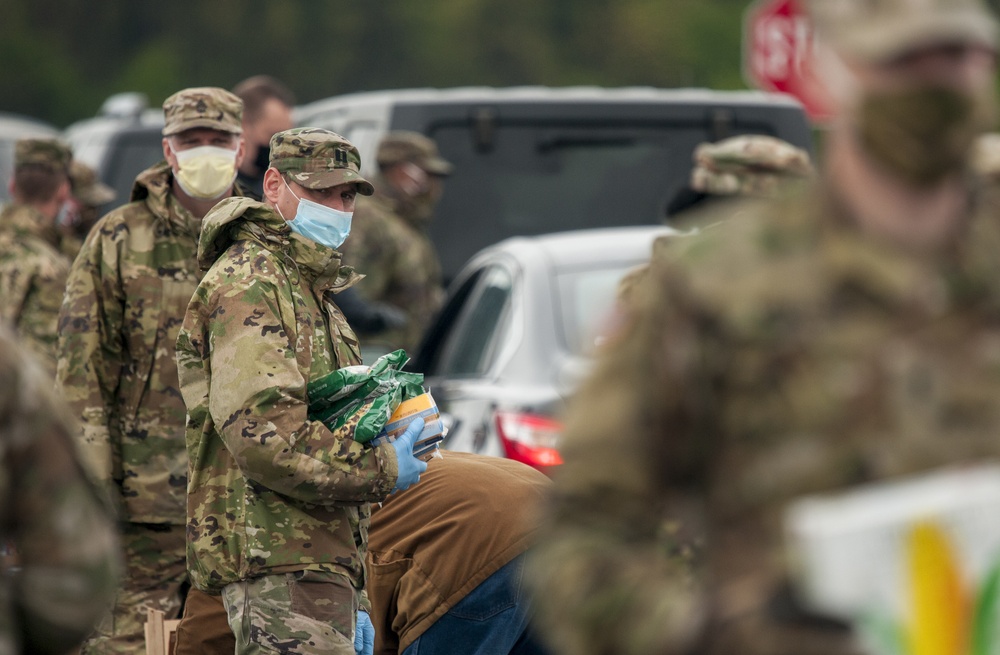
column 370, row 396
column 423, row 406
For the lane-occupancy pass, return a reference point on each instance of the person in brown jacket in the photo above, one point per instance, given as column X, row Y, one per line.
column 445, row 560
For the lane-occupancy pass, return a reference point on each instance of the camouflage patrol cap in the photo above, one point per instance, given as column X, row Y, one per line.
column 87, row 188
column 318, row 159
column 984, row 160
column 413, row 147
column 880, row 30
column 750, row 164
column 207, row 106
column 50, row 153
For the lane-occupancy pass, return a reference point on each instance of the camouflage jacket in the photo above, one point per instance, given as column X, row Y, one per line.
column 781, row 354
column 32, row 281
column 270, row 491
column 127, row 292
column 400, row 267
column 49, row 511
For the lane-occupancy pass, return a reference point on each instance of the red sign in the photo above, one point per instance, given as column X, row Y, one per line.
column 777, row 54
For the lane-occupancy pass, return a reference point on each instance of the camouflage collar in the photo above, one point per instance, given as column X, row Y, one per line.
column 28, row 221
column 967, row 271
column 152, row 186
column 245, row 218
column 181, row 218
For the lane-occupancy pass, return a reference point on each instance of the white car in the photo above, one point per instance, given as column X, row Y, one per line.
column 516, row 334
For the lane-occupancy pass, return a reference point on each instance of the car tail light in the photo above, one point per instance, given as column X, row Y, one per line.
column 530, row 438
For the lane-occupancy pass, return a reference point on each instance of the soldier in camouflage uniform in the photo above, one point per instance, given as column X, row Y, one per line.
column 747, row 165
column 127, row 293
column 389, row 243
column 32, row 270
column 89, row 194
column 839, row 335
column 278, row 505
column 69, row 557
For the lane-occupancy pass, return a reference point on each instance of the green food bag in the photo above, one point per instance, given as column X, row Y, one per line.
column 369, row 394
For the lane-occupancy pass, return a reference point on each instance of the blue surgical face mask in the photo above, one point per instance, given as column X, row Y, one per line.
column 319, row 223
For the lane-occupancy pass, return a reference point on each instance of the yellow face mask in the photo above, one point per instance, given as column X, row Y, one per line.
column 206, row 172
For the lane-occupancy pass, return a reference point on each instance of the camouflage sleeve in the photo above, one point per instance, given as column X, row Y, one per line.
column 612, row 569
column 257, row 398
column 91, row 350
column 37, row 326
column 65, row 536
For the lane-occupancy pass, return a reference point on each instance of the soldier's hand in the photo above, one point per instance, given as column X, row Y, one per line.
column 364, row 635
column 409, row 466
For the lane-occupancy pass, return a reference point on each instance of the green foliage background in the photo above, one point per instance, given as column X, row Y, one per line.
column 59, row 59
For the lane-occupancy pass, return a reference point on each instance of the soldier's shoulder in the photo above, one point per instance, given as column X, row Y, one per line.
column 244, row 263
column 32, row 255
column 744, row 227
column 132, row 215
column 750, row 249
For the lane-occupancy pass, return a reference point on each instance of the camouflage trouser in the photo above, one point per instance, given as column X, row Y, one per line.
column 155, row 572
column 301, row 613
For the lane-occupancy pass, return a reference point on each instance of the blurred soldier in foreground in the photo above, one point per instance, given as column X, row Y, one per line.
column 445, row 565
column 89, row 195
column 278, row 504
column 32, row 270
column 844, row 334
column 66, row 537
column 267, row 110
column 127, row 293
column 389, row 244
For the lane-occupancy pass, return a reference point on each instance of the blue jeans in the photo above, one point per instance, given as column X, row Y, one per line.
column 491, row 620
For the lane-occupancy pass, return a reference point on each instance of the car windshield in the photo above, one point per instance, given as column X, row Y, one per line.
column 586, row 298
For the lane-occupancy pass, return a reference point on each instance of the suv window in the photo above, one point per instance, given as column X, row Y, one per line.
column 539, row 178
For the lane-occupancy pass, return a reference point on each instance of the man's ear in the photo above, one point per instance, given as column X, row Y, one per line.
column 65, row 190
column 272, row 185
column 241, row 151
column 168, row 153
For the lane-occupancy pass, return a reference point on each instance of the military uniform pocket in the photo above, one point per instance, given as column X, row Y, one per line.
column 325, row 597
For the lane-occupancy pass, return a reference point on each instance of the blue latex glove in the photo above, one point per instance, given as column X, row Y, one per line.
column 410, row 467
column 364, row 635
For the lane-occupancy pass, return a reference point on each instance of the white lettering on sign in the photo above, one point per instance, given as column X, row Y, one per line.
column 782, row 44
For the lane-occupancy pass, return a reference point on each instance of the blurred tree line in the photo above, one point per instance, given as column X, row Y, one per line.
column 62, row 58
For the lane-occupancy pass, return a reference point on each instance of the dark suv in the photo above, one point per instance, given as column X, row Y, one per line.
column 535, row 160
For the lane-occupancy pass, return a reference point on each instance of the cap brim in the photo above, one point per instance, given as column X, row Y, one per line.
column 97, row 194
column 327, row 179
column 201, row 123
column 884, row 40
column 437, row 166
